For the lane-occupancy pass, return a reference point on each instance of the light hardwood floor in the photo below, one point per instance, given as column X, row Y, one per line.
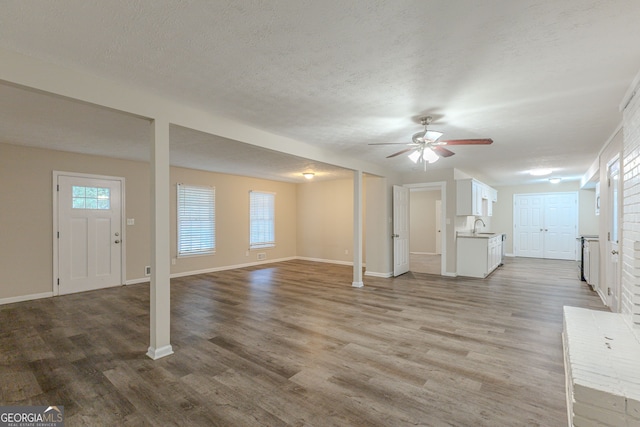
column 293, row 343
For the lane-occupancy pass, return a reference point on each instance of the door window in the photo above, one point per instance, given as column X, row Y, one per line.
column 90, row 197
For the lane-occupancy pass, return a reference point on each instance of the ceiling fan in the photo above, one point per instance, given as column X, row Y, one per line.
column 426, row 146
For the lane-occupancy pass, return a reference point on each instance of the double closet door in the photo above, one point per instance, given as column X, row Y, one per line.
column 546, row 225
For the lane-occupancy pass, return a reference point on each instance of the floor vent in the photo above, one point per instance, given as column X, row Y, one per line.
column 261, row 256
column 147, row 270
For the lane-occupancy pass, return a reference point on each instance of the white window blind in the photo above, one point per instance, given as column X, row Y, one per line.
column 196, row 220
column 261, row 218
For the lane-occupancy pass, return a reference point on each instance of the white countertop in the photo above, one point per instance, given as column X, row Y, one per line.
column 477, row 235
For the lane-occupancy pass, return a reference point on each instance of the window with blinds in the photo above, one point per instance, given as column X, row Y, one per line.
column 261, row 219
column 196, row 220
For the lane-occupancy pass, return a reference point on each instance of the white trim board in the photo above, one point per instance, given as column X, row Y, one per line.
column 22, row 298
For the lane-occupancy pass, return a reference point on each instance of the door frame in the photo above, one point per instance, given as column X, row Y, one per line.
column 442, row 186
column 55, row 228
column 613, row 300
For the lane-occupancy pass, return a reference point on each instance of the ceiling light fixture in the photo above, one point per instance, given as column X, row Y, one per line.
column 540, row 172
column 555, row 180
column 426, row 155
column 309, row 175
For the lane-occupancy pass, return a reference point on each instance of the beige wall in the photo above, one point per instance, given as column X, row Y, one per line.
column 26, row 219
column 325, row 220
column 232, row 219
column 502, row 219
column 423, row 227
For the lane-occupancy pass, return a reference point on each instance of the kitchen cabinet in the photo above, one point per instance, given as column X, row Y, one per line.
column 478, row 254
column 474, row 198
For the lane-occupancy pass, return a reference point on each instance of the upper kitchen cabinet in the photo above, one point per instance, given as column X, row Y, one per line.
column 474, row 198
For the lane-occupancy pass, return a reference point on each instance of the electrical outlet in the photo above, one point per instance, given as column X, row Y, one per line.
column 346, row 251
column 147, row 270
column 173, row 261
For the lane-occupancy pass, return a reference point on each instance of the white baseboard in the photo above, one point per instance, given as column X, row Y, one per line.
column 22, row 298
column 424, row 253
column 136, row 281
column 157, row 353
column 378, row 274
column 450, row 274
column 328, row 261
column 229, row 267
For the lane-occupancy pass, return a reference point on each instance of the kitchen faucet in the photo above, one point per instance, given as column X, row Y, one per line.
column 475, row 223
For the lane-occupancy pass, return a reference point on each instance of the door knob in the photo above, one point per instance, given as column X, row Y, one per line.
column 117, row 241
column 395, row 235
column 117, row 234
column 614, row 252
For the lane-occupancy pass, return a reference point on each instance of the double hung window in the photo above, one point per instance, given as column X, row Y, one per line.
column 196, row 220
column 261, row 220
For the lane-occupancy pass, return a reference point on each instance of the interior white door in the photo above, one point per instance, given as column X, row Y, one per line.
column 545, row 225
column 89, row 233
column 613, row 285
column 528, row 226
column 400, row 236
column 560, row 227
column 438, row 226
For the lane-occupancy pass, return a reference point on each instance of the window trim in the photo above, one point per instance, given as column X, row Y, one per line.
column 266, row 244
column 202, row 252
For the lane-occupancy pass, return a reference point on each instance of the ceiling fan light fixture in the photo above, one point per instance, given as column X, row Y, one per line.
column 415, row 156
column 429, row 156
column 309, row 175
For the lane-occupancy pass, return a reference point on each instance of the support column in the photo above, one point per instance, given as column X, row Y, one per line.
column 160, row 320
column 357, row 230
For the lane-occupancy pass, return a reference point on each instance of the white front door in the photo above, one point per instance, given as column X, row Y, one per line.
column 613, row 288
column 89, row 233
column 400, row 230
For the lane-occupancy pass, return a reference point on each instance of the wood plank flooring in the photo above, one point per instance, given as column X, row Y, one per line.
column 293, row 344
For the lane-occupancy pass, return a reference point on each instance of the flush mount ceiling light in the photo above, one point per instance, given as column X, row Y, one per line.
column 555, row 180
column 309, row 175
column 540, row 172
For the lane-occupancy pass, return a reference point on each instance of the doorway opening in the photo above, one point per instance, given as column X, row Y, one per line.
column 425, row 236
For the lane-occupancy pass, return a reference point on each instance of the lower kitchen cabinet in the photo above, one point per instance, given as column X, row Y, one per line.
column 478, row 255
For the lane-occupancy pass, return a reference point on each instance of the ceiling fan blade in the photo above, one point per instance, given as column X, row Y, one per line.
column 391, row 143
column 406, row 150
column 442, row 152
column 480, row 141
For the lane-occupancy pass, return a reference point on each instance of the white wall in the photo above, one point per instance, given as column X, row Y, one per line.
column 631, row 212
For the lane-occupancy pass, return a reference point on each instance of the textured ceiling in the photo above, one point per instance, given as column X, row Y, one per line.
column 542, row 78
